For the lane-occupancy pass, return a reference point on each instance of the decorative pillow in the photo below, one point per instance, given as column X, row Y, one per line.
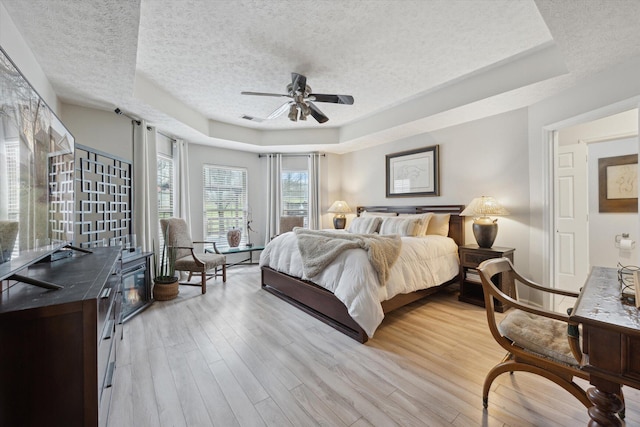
column 401, row 226
column 439, row 225
column 423, row 222
column 380, row 214
column 367, row 225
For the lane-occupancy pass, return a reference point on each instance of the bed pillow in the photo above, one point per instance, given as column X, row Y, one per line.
column 439, row 225
column 379, row 214
column 401, row 226
column 422, row 224
column 366, row 225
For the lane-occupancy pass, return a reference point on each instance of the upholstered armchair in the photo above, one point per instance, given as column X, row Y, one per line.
column 177, row 235
column 288, row 223
column 538, row 341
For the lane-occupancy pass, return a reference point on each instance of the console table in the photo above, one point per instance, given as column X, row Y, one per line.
column 611, row 343
column 239, row 250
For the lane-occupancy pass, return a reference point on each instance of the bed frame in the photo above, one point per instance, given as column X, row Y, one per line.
column 323, row 305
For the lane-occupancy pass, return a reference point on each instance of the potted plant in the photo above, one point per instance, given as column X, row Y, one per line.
column 165, row 281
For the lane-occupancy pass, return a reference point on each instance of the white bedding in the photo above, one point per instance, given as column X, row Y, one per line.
column 424, row 262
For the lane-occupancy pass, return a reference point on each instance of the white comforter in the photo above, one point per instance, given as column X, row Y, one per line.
column 424, row 262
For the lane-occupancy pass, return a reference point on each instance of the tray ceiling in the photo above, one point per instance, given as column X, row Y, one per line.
column 181, row 64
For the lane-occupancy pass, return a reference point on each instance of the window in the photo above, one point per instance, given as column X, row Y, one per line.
column 225, row 202
column 294, row 183
column 295, row 193
column 13, row 180
column 12, row 151
column 165, row 191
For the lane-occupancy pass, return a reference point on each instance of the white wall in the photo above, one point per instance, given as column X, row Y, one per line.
column 612, row 91
column 484, row 157
column 101, row 130
column 603, row 227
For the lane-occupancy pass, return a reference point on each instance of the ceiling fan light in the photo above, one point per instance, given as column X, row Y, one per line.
column 293, row 113
column 304, row 111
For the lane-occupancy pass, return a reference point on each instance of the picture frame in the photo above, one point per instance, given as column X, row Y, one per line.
column 618, row 184
column 413, row 173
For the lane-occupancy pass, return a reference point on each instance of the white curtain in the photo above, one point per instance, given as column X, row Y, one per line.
column 182, row 205
column 314, row 191
column 274, row 195
column 145, row 195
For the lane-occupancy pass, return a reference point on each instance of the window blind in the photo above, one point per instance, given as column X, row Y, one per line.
column 225, row 202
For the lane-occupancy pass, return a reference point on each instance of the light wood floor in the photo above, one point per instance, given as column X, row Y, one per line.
column 239, row 356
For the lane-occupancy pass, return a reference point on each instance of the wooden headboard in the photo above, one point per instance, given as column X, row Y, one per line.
column 456, row 222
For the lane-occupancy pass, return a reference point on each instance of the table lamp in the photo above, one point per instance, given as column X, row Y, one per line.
column 339, row 208
column 485, row 229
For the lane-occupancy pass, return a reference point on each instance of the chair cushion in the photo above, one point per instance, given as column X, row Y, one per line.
column 210, row 260
column 538, row 334
column 178, row 235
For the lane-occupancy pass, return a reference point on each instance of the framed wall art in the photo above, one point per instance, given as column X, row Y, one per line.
column 413, row 173
column 618, row 183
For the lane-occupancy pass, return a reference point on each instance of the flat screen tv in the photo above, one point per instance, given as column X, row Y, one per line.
column 36, row 175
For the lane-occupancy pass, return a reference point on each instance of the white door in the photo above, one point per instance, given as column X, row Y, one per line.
column 571, row 220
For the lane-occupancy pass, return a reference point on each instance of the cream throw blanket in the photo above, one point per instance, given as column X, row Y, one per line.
column 319, row 248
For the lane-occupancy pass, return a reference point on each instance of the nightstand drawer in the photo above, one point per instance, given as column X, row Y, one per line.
column 473, row 259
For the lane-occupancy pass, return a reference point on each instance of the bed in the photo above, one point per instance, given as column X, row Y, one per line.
column 322, row 304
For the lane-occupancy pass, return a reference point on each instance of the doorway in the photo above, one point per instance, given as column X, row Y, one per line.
column 584, row 236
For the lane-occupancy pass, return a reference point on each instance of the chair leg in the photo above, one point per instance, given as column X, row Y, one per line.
column 204, row 281
column 512, row 366
column 224, row 273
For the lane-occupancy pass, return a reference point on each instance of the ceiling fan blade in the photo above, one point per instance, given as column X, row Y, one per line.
column 264, row 94
column 298, row 82
column 336, row 99
column 316, row 113
column 253, row 119
column 281, row 110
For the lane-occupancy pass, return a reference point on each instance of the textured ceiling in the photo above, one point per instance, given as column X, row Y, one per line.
column 198, row 55
column 205, row 53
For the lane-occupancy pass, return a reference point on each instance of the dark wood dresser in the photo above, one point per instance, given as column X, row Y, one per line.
column 58, row 347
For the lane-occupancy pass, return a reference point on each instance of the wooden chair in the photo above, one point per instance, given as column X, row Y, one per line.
column 175, row 231
column 538, row 341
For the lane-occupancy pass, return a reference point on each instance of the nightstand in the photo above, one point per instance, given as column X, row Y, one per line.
column 470, row 285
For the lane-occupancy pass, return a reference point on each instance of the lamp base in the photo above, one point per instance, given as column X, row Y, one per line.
column 339, row 222
column 485, row 234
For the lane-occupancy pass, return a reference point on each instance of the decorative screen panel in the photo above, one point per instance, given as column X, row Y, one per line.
column 61, row 197
column 104, row 191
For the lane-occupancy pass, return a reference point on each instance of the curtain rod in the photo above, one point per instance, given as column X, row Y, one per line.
column 292, row 154
column 170, row 138
column 120, row 113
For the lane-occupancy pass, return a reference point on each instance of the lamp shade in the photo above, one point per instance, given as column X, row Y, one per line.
column 484, row 228
column 339, row 207
column 484, row 206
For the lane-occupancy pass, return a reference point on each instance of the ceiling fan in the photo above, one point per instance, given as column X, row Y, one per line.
column 301, row 103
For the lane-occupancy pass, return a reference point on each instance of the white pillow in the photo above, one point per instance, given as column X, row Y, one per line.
column 367, row 225
column 401, row 226
column 380, row 214
column 423, row 222
column 439, row 225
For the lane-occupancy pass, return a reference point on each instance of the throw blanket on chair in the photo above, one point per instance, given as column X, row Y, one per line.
column 319, row 248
